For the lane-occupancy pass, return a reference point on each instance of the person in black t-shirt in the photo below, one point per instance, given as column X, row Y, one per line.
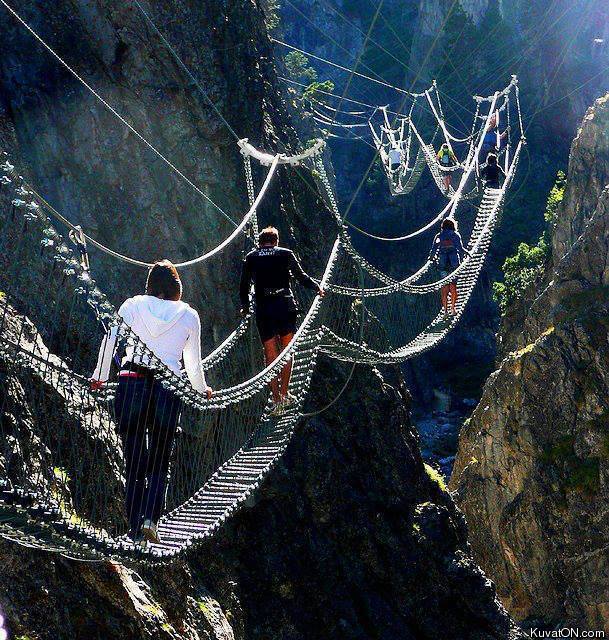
column 492, row 174
column 271, row 269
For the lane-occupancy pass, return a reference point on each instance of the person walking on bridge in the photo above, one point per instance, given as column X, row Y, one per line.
column 271, row 268
column 395, row 158
column 446, row 160
column 447, row 251
column 492, row 174
column 146, row 412
column 493, row 140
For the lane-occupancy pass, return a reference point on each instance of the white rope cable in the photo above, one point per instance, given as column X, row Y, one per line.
column 323, row 119
column 440, row 119
column 504, row 92
column 333, row 95
column 115, row 254
column 352, row 114
column 408, row 236
column 114, row 111
column 266, row 159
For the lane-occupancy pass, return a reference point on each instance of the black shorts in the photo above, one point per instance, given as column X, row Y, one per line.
column 276, row 317
column 444, row 269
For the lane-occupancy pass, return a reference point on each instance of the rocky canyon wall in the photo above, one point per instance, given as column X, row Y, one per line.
column 531, row 470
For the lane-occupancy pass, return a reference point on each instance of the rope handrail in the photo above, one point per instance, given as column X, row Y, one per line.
column 332, row 95
column 407, row 285
column 346, row 349
column 265, row 159
column 408, row 236
column 449, row 137
column 513, row 83
column 351, row 114
column 124, row 258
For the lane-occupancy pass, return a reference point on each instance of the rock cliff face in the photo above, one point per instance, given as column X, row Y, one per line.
column 100, row 175
column 350, row 536
column 531, row 471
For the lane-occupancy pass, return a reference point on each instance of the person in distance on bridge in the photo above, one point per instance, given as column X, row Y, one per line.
column 446, row 159
column 493, row 142
column 447, row 252
column 271, row 268
column 146, row 412
column 395, row 158
column 492, row 173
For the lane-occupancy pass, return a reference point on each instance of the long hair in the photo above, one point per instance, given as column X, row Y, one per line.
column 163, row 281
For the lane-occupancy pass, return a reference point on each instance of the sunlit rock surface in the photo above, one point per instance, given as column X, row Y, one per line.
column 531, row 471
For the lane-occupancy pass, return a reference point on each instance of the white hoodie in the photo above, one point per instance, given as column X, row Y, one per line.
column 395, row 156
column 170, row 329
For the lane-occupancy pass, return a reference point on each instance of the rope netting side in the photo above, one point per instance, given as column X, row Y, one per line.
column 412, row 327
column 65, row 452
column 50, row 329
column 62, row 457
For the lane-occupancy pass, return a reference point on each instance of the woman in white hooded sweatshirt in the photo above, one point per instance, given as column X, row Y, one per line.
column 147, row 413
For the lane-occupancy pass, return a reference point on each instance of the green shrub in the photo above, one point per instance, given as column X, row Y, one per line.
column 271, row 13
column 523, row 268
column 557, row 193
column 519, row 271
column 298, row 67
column 309, row 92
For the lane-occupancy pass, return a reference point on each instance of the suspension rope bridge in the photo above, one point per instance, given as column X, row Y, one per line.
column 62, row 484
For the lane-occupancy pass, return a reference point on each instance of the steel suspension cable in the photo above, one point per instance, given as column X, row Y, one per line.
column 113, row 111
column 184, row 68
